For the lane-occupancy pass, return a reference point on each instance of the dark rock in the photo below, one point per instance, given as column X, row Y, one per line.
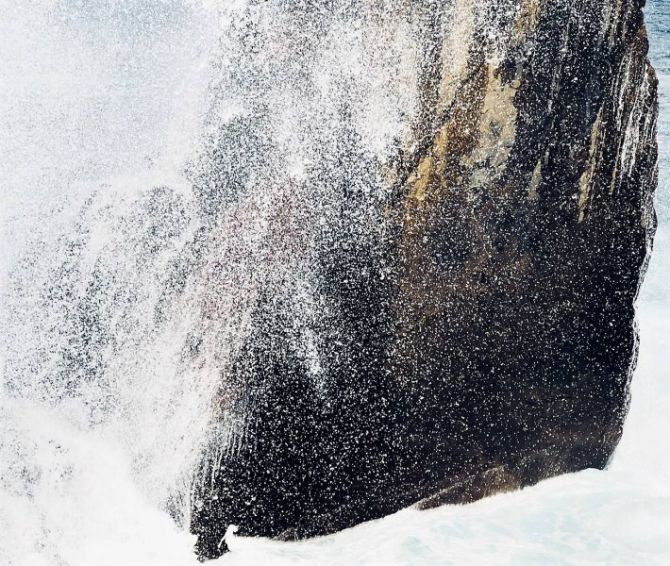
column 485, row 338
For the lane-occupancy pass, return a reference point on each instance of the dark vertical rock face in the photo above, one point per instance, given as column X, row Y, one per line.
column 484, row 338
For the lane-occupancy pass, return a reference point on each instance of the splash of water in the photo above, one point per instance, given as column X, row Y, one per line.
column 126, row 311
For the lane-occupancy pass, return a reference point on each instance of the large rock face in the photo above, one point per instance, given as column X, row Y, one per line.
column 473, row 330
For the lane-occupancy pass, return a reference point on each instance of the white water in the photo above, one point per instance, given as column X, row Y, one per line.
column 109, row 98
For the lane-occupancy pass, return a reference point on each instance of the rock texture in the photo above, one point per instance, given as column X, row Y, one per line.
column 484, row 338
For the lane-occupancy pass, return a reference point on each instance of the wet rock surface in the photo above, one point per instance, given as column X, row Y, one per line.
column 473, row 328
